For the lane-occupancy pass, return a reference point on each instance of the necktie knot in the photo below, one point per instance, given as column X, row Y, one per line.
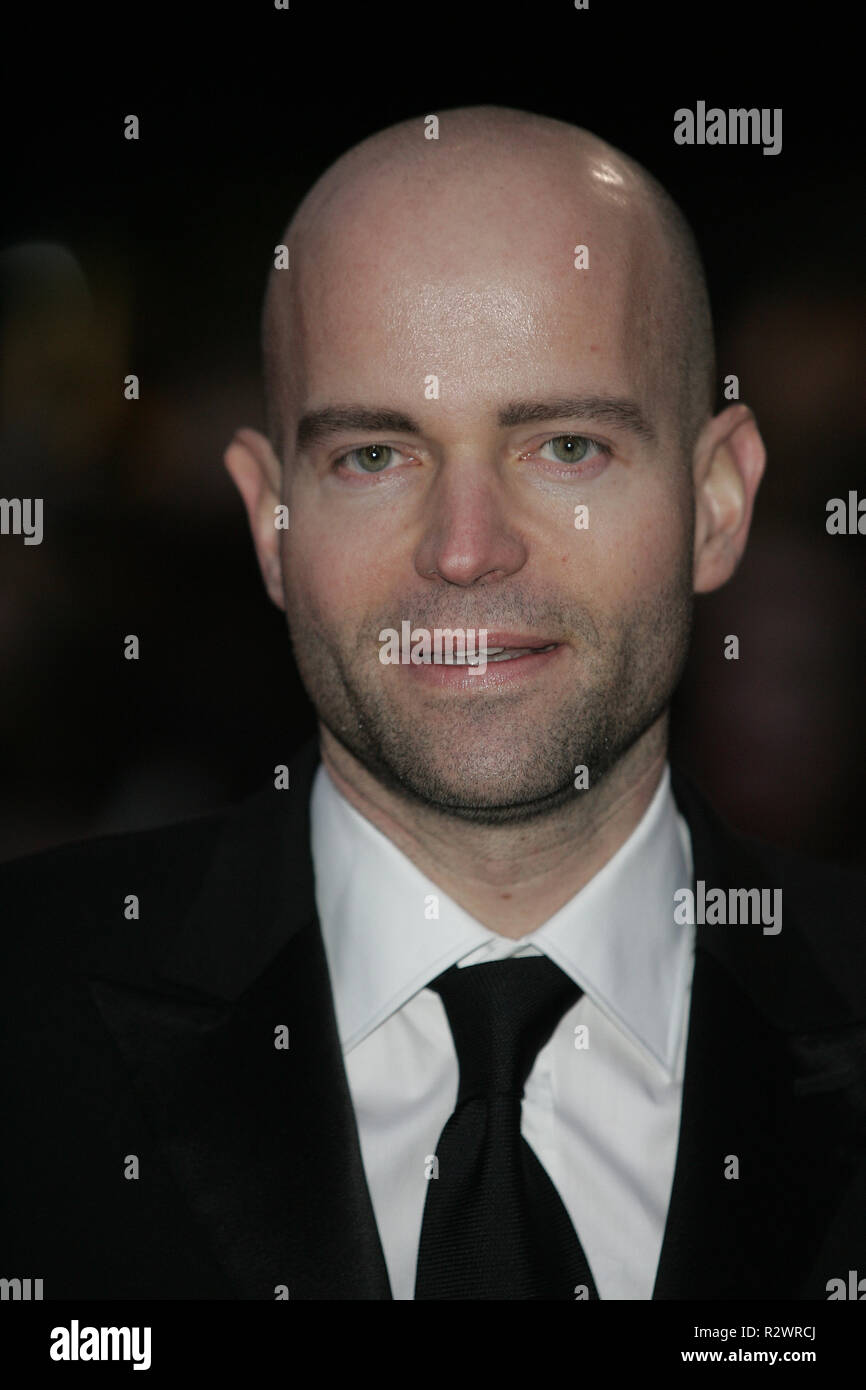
column 501, row 1014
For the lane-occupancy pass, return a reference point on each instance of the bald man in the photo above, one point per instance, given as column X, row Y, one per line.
column 480, row 1000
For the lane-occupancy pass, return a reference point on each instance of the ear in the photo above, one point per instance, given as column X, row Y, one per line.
column 256, row 474
column 728, row 466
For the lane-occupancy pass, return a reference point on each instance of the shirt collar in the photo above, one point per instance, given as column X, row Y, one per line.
column 616, row 938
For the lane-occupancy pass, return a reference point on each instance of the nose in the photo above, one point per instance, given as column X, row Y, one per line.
column 469, row 532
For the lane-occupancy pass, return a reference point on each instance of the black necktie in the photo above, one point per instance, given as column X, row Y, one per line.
column 494, row 1225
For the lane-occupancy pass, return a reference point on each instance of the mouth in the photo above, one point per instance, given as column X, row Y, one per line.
column 491, row 654
column 502, row 661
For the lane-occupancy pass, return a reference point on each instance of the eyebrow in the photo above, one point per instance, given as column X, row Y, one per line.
column 317, row 425
column 607, row 410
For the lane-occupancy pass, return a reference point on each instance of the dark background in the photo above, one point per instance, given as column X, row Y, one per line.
column 151, row 257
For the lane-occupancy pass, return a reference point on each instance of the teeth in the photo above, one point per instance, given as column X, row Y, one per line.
column 496, row 654
column 510, row 653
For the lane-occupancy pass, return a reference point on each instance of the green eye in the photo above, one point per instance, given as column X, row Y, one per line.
column 373, row 457
column 569, row 448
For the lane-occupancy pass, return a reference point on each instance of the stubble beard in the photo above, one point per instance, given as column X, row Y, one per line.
column 495, row 760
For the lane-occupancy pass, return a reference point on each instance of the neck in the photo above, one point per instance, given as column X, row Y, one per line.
column 511, row 878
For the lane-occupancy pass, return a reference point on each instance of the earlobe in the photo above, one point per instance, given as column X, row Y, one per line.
column 254, row 469
column 727, row 479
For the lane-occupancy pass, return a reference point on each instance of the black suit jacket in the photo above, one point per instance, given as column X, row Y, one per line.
column 155, row 1039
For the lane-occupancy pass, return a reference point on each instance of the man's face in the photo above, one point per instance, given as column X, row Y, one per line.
column 468, row 522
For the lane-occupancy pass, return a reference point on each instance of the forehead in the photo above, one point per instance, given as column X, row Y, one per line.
column 472, row 277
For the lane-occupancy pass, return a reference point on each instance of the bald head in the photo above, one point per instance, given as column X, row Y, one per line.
column 489, row 374
column 505, row 196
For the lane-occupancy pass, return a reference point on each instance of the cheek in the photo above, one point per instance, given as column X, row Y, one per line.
column 639, row 548
column 333, row 575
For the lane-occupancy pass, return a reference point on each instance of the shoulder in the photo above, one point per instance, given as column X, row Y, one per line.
column 825, row 903
column 57, row 902
column 820, row 905
column 118, row 903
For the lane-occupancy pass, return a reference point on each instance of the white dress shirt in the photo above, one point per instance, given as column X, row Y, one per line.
column 603, row 1119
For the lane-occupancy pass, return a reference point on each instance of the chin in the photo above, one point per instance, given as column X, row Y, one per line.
column 492, row 795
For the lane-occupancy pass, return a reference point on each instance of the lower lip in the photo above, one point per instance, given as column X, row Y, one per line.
column 496, row 673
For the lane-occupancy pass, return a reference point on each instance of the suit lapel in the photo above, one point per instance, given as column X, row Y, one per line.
column 769, row 1082
column 262, row 1141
